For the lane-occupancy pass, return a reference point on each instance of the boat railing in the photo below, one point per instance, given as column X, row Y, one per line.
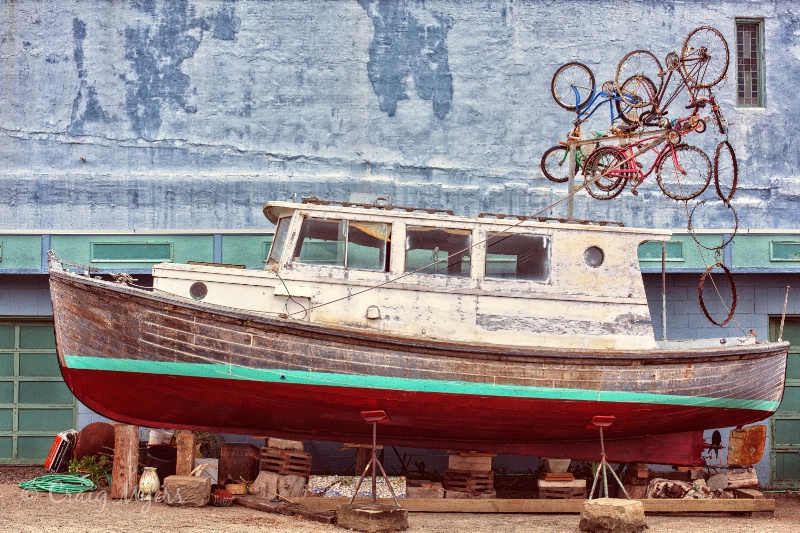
column 385, row 207
column 552, row 219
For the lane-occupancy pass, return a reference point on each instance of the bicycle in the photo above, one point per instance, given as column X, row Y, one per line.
column 553, row 159
column 702, row 64
column 573, row 88
column 682, row 171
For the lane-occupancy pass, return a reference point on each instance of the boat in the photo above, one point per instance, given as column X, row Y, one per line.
column 497, row 333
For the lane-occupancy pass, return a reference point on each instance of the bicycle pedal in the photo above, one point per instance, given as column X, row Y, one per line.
column 634, row 192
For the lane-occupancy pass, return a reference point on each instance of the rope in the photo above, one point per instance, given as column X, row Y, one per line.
column 59, row 483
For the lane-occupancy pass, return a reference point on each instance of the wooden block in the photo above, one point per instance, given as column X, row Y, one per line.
column 640, row 470
column 469, row 462
column 637, row 492
column 562, row 490
column 283, row 444
column 126, row 462
column 468, row 481
column 558, row 476
column 285, row 462
column 184, row 464
column 748, row 494
column 742, row 478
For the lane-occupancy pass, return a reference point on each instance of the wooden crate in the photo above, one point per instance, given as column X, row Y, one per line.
column 468, row 480
column 238, row 460
column 470, row 462
column 285, row 462
column 562, row 490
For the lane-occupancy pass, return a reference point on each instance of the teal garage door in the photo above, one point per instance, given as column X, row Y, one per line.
column 35, row 404
column 785, row 424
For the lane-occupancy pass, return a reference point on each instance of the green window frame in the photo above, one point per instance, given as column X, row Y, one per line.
column 750, row 62
column 650, row 251
column 35, row 403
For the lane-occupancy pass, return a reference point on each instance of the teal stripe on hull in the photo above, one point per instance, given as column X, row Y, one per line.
column 223, row 371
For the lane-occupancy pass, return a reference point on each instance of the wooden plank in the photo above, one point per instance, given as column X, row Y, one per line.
column 550, row 506
column 286, row 508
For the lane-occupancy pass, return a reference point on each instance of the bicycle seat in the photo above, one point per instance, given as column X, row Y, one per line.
column 698, row 104
column 626, row 128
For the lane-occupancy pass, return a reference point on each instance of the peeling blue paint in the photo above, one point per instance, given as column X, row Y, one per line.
column 155, row 53
column 406, row 47
column 226, row 23
column 85, row 106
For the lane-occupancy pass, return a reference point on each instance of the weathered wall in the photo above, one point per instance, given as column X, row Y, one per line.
column 191, row 113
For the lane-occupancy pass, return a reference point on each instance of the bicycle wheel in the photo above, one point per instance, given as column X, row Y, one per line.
column 597, row 172
column 689, row 177
column 719, row 120
column 568, row 76
column 726, row 171
column 639, row 64
column 704, row 57
column 555, row 164
column 636, row 89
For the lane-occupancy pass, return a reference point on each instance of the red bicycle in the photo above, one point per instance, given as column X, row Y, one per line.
column 682, row 171
column 702, row 64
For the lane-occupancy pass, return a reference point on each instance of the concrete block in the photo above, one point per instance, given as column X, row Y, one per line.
column 372, row 517
column 291, row 486
column 606, row 515
column 187, row 491
column 266, row 485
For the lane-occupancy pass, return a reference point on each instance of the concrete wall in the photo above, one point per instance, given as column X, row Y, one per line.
column 189, row 114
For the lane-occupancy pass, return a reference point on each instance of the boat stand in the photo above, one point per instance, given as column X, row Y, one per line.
column 599, row 422
column 374, row 418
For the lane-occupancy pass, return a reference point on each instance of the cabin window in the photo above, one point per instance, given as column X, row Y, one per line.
column 343, row 243
column 279, row 240
column 515, row 256
column 429, row 250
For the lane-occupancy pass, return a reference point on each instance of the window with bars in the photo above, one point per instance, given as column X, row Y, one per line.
column 750, row 63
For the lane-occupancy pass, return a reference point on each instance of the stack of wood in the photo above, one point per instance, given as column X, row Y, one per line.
column 285, row 468
column 470, row 472
column 556, row 483
column 635, row 480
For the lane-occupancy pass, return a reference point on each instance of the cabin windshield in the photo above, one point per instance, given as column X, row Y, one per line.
column 515, row 256
column 428, row 249
column 343, row 243
column 279, row 240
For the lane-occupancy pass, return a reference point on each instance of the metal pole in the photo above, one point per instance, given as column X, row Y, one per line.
column 374, row 461
column 603, row 463
column 663, row 292
column 783, row 316
column 571, row 183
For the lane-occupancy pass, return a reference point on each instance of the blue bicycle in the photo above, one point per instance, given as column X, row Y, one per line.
column 573, row 88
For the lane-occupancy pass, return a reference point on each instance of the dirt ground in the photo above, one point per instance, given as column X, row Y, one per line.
column 95, row 511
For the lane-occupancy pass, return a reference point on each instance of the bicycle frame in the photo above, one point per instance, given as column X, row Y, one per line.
column 584, row 112
column 629, row 170
column 660, row 104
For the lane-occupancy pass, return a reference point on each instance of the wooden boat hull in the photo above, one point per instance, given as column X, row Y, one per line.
column 161, row 361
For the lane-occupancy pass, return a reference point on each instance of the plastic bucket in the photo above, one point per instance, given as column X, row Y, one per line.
column 163, row 458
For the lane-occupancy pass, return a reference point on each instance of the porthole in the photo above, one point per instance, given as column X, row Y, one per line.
column 198, row 290
column 593, row 256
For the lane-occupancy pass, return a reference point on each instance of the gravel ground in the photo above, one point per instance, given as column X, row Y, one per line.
column 95, row 511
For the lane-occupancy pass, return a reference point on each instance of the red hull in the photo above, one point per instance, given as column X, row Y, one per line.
column 240, row 406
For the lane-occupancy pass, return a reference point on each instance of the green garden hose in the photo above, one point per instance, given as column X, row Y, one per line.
column 60, row 483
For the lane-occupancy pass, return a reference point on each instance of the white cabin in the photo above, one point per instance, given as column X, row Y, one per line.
column 438, row 276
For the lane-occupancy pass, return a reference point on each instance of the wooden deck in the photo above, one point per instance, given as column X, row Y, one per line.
column 762, row 507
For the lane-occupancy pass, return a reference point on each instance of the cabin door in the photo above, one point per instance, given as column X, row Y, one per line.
column 35, row 403
column 785, row 423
